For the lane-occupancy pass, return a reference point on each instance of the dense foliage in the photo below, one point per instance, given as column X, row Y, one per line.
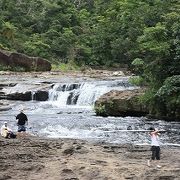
column 98, row 33
column 167, row 99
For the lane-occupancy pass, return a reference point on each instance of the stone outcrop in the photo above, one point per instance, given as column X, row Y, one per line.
column 15, row 91
column 24, row 61
column 120, row 103
column 41, row 95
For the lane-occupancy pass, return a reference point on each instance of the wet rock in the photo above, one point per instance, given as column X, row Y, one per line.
column 120, row 103
column 71, row 100
column 2, row 85
column 25, row 92
column 72, row 87
column 68, row 87
column 67, row 171
column 19, row 96
column 61, row 112
column 68, row 151
column 41, row 96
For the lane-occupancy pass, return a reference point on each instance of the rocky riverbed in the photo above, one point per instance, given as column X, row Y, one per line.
column 32, row 158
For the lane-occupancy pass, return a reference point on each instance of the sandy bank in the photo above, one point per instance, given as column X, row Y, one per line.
column 34, row 158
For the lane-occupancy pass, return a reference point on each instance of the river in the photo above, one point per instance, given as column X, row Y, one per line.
column 69, row 113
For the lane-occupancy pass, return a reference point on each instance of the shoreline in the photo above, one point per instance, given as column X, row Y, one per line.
column 31, row 158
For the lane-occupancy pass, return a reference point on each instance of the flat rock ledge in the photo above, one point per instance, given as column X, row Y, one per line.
column 34, row 158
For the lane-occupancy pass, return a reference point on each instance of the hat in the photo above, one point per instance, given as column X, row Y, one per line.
column 152, row 129
column 5, row 122
column 21, row 110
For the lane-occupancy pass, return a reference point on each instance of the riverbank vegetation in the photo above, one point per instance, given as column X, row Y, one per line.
column 140, row 34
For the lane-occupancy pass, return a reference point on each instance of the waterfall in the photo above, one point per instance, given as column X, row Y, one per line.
column 33, row 94
column 85, row 93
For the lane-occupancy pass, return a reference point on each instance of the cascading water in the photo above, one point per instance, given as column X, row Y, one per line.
column 33, row 95
column 85, row 93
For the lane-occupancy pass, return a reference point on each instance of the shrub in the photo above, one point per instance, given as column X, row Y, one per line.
column 136, row 80
column 100, row 110
column 9, row 68
column 167, row 98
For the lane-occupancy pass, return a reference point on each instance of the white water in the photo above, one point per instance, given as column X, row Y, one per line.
column 85, row 93
column 55, row 118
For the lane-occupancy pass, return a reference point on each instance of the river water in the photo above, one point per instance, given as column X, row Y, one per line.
column 69, row 113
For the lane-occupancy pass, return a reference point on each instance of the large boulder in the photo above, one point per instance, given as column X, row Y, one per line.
column 120, row 103
column 41, row 95
column 24, row 61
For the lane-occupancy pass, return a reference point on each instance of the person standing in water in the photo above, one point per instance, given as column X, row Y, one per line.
column 22, row 121
column 155, row 147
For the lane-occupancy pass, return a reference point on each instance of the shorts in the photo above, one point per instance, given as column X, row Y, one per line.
column 21, row 128
column 155, row 152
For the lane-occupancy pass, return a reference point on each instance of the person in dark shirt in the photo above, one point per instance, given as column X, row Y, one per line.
column 22, row 121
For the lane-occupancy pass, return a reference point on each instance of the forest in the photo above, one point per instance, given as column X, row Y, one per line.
column 143, row 35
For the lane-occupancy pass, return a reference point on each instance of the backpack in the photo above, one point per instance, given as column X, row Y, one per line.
column 12, row 135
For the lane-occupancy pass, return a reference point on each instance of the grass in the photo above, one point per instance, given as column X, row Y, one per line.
column 65, row 67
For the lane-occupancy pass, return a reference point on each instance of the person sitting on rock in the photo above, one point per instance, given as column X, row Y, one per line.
column 22, row 121
column 7, row 132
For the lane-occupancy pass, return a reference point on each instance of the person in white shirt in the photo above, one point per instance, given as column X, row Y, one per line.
column 6, row 131
column 155, row 147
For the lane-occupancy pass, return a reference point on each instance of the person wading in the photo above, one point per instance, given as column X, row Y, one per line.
column 22, row 121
